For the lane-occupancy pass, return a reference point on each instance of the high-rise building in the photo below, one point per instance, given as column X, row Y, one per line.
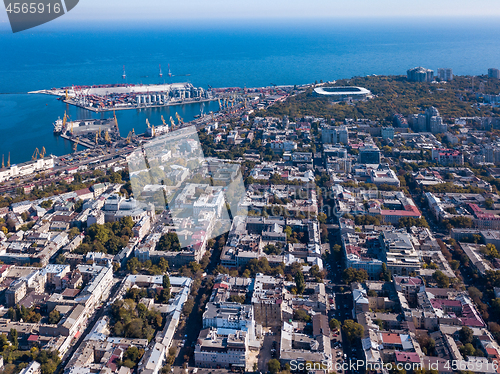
column 437, row 126
column 429, row 113
column 421, row 125
column 493, row 73
column 400, row 121
column 369, row 154
column 445, row 74
column 420, row 74
column 387, row 132
column 335, row 135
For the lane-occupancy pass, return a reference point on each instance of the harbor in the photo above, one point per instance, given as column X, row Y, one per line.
column 105, row 98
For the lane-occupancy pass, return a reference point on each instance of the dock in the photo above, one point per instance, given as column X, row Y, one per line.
column 84, row 142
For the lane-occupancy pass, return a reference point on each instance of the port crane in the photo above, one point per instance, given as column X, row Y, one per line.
column 8, row 161
column 164, row 122
column 172, row 122
column 36, row 154
column 116, row 123
column 129, row 137
column 107, row 137
column 179, row 119
column 75, row 146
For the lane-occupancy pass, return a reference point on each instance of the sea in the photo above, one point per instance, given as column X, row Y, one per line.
column 223, row 53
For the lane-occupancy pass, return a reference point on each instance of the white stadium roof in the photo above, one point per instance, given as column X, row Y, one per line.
column 342, row 91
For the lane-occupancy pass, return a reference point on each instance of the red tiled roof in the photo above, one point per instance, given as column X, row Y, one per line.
column 407, row 356
column 391, row 338
column 84, row 191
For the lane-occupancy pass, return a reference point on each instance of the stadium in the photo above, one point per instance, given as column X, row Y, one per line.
column 343, row 92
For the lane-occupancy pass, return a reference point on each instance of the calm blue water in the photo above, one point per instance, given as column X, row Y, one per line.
column 251, row 54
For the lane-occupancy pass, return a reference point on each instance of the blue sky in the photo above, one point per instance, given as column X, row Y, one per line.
column 170, row 10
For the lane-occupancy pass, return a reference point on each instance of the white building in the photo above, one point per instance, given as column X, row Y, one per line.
column 445, row 74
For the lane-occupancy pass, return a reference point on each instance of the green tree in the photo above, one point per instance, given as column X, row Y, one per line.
column 334, row 324
column 46, row 204
column 466, row 335
column 54, row 317
column 301, row 315
column 274, row 366
column 13, row 337
column 352, row 330
column 299, row 282
column 133, row 264
column 350, row 275
column 169, row 243
column 442, row 280
column 386, row 274
column 166, row 286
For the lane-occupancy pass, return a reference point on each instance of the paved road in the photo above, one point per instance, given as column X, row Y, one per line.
column 97, row 315
column 265, row 354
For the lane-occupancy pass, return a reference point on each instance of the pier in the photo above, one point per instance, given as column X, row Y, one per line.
column 84, row 142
